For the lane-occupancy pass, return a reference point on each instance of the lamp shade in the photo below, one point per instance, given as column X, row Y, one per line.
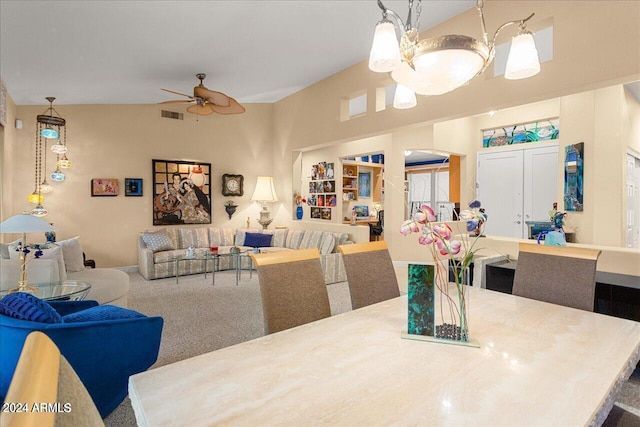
column 265, row 190
column 385, row 51
column 25, row 223
column 404, row 98
column 523, row 59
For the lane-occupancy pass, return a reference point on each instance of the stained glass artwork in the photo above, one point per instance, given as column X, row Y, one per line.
column 542, row 130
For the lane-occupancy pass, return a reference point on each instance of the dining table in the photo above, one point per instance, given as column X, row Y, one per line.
column 538, row 364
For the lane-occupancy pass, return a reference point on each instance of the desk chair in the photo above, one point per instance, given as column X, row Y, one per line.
column 292, row 287
column 370, row 273
column 43, row 376
column 561, row 275
column 376, row 230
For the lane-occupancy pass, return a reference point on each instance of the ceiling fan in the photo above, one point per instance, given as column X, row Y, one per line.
column 207, row 101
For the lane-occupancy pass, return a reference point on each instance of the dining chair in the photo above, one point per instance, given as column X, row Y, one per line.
column 45, row 390
column 292, row 287
column 370, row 273
column 561, row 275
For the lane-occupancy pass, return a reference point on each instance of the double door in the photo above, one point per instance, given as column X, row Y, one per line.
column 515, row 186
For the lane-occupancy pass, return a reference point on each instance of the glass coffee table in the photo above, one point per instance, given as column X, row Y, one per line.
column 69, row 290
column 205, row 257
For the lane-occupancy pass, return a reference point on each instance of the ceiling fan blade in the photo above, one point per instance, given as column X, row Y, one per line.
column 233, row 108
column 212, row 96
column 200, row 110
column 178, row 101
column 177, row 93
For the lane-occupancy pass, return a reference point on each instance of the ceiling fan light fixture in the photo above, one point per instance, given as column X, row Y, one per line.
column 206, row 101
column 439, row 65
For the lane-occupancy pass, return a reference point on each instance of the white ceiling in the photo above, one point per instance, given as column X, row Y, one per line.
column 123, row 52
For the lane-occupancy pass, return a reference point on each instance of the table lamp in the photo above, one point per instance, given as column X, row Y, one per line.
column 24, row 223
column 265, row 192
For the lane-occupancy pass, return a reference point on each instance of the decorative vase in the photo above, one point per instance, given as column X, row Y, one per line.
column 299, row 212
column 437, row 309
column 50, row 236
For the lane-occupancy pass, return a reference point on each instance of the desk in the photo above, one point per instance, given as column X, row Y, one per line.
column 538, row 363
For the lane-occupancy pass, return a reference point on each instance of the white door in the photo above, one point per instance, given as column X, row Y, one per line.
column 540, row 184
column 499, row 188
column 515, row 186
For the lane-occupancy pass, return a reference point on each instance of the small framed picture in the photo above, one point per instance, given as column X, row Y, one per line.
column 104, row 187
column 133, row 187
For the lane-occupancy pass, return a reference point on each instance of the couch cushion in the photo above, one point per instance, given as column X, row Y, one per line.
column 54, row 252
column 327, row 243
column 341, row 238
column 101, row 312
column 241, row 235
column 24, row 306
column 72, row 254
column 221, row 236
column 257, row 240
column 294, row 237
column 193, row 237
column 311, row 239
column 158, row 241
column 4, row 249
column 279, row 237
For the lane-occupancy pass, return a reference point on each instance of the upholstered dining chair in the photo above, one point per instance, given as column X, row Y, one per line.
column 370, row 273
column 562, row 275
column 292, row 287
column 44, row 377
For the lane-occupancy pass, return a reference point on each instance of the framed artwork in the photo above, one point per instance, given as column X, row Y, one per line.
column 104, row 187
column 573, row 177
column 133, row 187
column 181, row 192
column 364, row 184
column 232, row 185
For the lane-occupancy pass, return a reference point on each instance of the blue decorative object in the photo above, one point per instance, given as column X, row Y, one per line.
column 103, row 353
column 573, row 177
column 257, row 240
column 299, row 212
column 50, row 236
column 101, row 312
column 24, row 306
column 420, row 306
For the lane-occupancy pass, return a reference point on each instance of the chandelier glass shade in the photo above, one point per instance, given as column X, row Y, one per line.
column 57, row 175
column 438, row 65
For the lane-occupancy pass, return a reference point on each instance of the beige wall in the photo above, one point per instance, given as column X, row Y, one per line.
column 119, row 141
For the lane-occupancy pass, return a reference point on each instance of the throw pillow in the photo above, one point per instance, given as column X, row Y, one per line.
column 24, row 306
column 4, row 249
column 158, row 241
column 54, row 252
column 72, row 254
column 257, row 240
column 101, row 312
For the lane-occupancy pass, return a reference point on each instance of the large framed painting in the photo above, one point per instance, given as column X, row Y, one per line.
column 181, row 192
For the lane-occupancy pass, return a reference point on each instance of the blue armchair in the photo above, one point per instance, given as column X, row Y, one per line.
column 104, row 350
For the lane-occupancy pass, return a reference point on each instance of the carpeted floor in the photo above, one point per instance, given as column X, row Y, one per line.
column 199, row 317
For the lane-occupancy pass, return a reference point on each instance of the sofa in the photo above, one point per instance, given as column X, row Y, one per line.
column 157, row 248
column 61, row 261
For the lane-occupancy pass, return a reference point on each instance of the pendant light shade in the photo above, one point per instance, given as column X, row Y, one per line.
column 385, row 51
column 57, row 175
column 523, row 58
column 404, row 98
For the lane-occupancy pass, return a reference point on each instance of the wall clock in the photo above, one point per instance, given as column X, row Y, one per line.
column 232, row 185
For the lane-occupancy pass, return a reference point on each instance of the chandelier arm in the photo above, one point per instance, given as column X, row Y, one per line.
column 479, row 6
column 520, row 22
column 399, row 21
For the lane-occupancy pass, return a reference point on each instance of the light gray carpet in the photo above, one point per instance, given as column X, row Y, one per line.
column 199, row 318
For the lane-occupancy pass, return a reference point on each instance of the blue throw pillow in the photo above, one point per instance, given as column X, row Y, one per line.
column 24, row 306
column 257, row 240
column 101, row 312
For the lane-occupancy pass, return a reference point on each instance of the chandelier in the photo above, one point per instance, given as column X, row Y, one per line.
column 48, row 126
column 438, row 65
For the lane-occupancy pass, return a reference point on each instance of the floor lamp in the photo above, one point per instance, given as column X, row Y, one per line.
column 265, row 192
column 24, row 223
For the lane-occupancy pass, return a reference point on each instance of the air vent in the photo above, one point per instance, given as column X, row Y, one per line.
column 172, row 115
